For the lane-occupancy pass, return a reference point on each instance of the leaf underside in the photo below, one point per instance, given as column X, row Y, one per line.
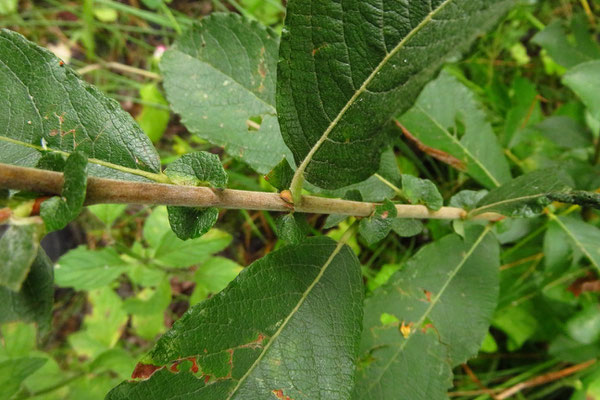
column 347, row 67
column 47, row 105
column 290, row 322
column 220, row 77
column 33, row 303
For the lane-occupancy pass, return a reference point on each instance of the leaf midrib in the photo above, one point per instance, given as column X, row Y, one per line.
column 577, row 242
column 335, row 252
column 478, row 210
column 297, row 180
column 160, row 178
column 458, row 143
column 433, row 303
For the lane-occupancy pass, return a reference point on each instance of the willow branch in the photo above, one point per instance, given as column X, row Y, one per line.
column 100, row 190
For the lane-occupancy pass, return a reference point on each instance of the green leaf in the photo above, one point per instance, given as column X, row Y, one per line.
column 58, row 211
column 174, row 252
column 565, row 52
column 50, row 106
column 377, row 226
column 584, row 236
column 467, row 199
column 177, row 253
column 373, row 189
column 150, row 301
column 422, row 191
column 18, row 249
column 584, row 80
column 346, row 68
column 192, row 222
column 220, row 77
column 195, row 169
column 212, row 277
column 245, row 354
column 84, row 269
column 448, row 117
column 14, row 372
column 281, row 176
column 292, row 228
column 565, row 132
column 198, row 169
column 107, row 213
column 153, row 120
column 526, row 195
column 33, row 303
column 406, row 227
column 103, row 327
column 444, row 299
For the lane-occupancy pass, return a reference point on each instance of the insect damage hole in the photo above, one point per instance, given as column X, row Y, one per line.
column 254, row 123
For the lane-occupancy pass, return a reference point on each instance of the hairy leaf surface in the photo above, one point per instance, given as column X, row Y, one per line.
column 58, row 211
column 442, row 301
column 288, row 325
column 48, row 106
column 346, row 67
column 220, row 77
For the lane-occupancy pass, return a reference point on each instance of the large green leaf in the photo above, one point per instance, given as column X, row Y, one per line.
column 584, row 79
column 33, row 303
column 48, row 106
column 585, row 237
column 220, row 77
column 442, row 304
column 288, row 325
column 346, row 67
column 18, row 249
column 447, row 117
column 526, row 195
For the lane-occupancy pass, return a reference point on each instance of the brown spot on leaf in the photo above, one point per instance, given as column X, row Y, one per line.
column 144, row 371
column 435, row 153
column 279, row 394
column 384, row 215
column 427, row 295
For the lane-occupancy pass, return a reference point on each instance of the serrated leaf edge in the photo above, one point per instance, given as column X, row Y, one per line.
column 334, row 253
column 298, row 180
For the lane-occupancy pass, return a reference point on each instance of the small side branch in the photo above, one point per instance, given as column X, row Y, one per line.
column 100, row 190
